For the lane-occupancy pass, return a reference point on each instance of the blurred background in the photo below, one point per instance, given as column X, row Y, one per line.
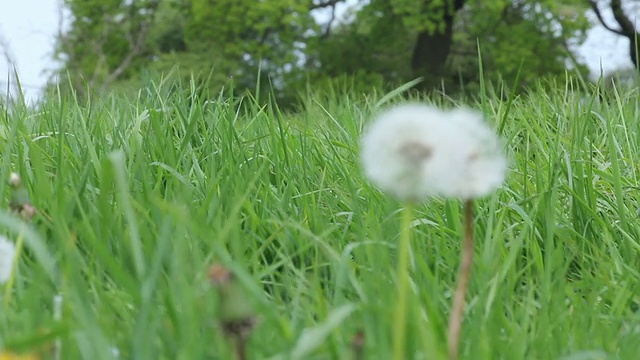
column 286, row 47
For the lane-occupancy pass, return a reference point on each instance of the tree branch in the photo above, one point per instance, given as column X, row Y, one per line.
column 136, row 45
column 625, row 23
column 596, row 10
column 327, row 31
column 324, row 4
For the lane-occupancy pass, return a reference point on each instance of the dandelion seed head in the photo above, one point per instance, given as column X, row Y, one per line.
column 415, row 151
column 7, row 254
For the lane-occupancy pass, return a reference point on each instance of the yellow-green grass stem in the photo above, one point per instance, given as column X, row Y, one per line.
column 404, row 250
column 8, row 289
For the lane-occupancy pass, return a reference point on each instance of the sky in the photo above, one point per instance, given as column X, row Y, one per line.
column 28, row 27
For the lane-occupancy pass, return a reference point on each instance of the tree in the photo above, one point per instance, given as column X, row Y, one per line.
column 423, row 27
column 374, row 47
column 626, row 27
column 385, row 42
column 219, row 41
column 433, row 21
column 269, row 35
column 518, row 39
column 438, row 40
column 106, row 41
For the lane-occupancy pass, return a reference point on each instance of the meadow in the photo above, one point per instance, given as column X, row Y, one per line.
column 138, row 196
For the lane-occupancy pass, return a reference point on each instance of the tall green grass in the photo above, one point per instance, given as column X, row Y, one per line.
column 138, row 196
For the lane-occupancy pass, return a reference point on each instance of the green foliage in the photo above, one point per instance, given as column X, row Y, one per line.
column 277, row 45
column 232, row 41
column 375, row 44
column 245, row 36
column 419, row 15
column 255, row 21
column 101, row 36
column 526, row 40
column 167, row 33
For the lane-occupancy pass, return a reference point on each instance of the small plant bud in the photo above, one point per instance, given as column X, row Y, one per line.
column 235, row 310
column 14, row 179
column 219, row 275
column 234, row 305
column 20, row 202
column 357, row 344
column 28, row 211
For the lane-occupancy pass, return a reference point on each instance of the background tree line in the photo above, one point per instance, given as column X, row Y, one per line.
column 282, row 45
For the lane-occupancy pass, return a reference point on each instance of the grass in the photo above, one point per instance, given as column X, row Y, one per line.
column 138, row 197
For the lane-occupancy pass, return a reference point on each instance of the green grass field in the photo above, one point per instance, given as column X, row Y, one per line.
column 137, row 197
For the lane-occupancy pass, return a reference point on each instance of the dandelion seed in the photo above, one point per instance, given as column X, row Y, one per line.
column 415, row 151
column 7, row 255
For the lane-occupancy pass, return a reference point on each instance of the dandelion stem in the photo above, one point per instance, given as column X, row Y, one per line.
column 464, row 274
column 8, row 290
column 404, row 247
column 241, row 348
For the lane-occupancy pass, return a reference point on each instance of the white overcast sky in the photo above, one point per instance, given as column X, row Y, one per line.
column 29, row 27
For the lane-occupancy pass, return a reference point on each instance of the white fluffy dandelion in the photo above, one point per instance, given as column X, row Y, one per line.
column 7, row 255
column 414, row 151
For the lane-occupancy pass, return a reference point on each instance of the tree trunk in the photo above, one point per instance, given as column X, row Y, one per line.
column 431, row 51
column 627, row 27
column 634, row 49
